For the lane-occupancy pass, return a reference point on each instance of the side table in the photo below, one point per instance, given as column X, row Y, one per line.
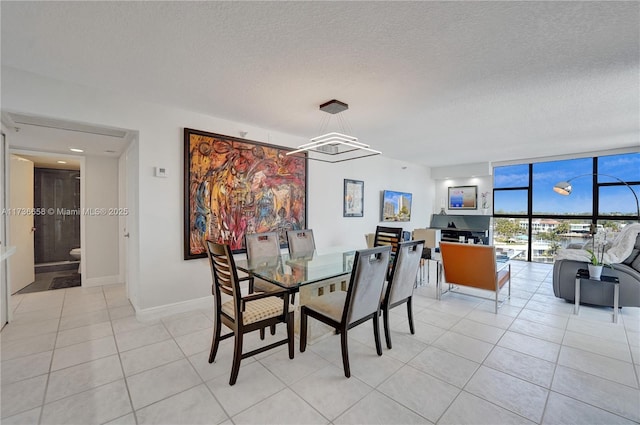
column 583, row 274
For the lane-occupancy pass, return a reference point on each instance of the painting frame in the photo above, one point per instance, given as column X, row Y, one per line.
column 395, row 206
column 462, row 198
column 234, row 186
column 353, row 200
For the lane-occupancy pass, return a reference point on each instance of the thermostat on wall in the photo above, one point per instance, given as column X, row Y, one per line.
column 160, row 172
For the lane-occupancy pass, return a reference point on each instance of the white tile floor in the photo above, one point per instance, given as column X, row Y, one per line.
column 79, row 356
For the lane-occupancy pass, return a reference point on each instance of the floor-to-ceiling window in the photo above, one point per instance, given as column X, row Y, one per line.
column 529, row 216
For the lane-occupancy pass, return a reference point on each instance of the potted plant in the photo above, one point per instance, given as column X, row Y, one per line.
column 597, row 256
column 484, row 203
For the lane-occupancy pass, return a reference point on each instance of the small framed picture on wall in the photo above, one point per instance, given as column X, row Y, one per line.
column 353, row 198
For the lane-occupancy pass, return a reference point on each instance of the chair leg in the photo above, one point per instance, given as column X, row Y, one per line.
column 262, row 333
column 376, row 334
column 410, row 314
column 237, row 356
column 216, row 340
column 290, row 333
column 273, row 329
column 303, row 329
column 345, row 352
column 387, row 331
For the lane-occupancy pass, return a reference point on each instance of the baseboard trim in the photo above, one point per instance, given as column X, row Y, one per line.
column 154, row 313
column 99, row 281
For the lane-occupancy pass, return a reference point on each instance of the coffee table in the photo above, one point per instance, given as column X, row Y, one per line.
column 583, row 274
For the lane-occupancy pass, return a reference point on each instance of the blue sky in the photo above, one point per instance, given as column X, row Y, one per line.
column 547, row 174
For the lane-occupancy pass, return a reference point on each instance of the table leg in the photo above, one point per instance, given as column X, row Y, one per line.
column 616, row 295
column 577, row 296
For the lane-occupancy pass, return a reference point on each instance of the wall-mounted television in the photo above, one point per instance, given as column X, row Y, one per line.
column 396, row 206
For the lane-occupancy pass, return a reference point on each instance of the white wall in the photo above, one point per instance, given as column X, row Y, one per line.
column 164, row 278
column 5, row 290
column 326, row 183
column 484, row 183
column 101, row 232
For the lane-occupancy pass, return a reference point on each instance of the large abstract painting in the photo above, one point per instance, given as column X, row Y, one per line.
column 236, row 186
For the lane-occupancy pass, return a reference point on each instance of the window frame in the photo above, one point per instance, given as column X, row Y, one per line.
column 594, row 217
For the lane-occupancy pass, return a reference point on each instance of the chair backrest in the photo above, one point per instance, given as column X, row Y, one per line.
column 301, row 241
column 404, row 272
column 388, row 236
column 223, row 272
column 367, row 279
column 431, row 237
column 470, row 265
column 260, row 245
column 369, row 238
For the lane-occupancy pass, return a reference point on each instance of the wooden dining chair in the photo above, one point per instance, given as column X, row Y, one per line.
column 360, row 303
column 301, row 242
column 390, row 236
column 243, row 314
column 399, row 289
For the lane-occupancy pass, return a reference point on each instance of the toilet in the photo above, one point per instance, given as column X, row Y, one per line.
column 75, row 254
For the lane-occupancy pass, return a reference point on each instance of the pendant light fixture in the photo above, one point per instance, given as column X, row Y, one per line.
column 335, row 146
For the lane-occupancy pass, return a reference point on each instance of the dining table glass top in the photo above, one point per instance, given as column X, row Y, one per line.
column 291, row 272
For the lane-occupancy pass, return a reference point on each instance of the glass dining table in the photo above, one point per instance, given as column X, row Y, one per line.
column 312, row 275
column 293, row 272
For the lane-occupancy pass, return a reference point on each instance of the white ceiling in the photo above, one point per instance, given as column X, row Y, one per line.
column 52, row 161
column 43, row 134
column 431, row 82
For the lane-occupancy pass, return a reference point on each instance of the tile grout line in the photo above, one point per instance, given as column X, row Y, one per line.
column 535, row 296
column 124, row 377
column 53, row 353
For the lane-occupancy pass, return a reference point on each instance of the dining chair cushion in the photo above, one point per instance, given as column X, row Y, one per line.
column 256, row 310
column 330, row 305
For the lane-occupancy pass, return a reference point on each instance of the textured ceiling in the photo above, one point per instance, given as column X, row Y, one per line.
column 431, row 82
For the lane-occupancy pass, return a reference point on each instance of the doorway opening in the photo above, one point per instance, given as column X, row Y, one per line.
column 80, row 174
column 56, row 222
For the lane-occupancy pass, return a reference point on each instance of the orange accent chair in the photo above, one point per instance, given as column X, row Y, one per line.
column 474, row 266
